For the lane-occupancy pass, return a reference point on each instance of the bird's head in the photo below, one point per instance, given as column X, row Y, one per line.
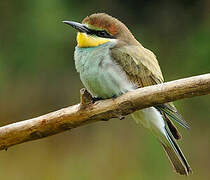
column 101, row 28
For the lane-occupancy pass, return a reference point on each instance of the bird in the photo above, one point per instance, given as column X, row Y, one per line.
column 111, row 62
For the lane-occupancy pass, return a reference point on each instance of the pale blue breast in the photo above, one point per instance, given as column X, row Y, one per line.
column 101, row 76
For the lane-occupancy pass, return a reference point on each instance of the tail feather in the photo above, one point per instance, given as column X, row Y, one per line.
column 173, row 129
column 175, row 155
column 166, row 133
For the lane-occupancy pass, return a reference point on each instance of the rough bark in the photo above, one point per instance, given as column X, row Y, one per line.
column 88, row 111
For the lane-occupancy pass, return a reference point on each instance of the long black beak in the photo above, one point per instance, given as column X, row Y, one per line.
column 78, row 26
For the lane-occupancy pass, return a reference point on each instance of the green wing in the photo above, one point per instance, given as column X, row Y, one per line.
column 143, row 69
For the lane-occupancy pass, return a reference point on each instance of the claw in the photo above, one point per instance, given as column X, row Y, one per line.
column 94, row 99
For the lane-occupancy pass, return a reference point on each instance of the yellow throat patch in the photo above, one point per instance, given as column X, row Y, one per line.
column 85, row 40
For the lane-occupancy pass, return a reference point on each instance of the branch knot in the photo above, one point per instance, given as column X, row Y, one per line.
column 85, row 98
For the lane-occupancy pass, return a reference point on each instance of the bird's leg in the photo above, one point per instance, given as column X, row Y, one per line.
column 86, row 99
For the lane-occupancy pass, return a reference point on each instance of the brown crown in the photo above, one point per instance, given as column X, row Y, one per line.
column 111, row 25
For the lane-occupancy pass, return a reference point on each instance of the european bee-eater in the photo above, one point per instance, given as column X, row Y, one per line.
column 111, row 62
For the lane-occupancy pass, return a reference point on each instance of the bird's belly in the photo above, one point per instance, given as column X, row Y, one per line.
column 100, row 75
column 105, row 81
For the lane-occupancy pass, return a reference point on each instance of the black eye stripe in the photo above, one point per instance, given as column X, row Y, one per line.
column 101, row 33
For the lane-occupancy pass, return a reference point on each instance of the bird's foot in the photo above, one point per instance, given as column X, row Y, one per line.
column 94, row 99
column 114, row 96
column 121, row 117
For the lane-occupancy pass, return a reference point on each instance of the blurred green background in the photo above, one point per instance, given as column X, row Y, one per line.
column 37, row 76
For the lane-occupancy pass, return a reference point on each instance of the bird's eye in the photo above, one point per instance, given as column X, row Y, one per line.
column 103, row 34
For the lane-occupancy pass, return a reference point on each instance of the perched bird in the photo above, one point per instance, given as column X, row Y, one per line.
column 111, row 62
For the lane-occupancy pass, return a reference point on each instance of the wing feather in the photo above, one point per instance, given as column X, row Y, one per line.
column 139, row 63
column 143, row 69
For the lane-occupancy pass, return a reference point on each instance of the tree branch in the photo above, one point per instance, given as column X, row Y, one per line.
column 88, row 111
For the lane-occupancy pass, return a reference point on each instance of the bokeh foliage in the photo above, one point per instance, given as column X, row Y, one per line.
column 37, row 75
